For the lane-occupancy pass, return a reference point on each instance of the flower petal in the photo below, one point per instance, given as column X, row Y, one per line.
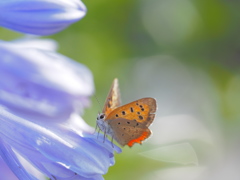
column 31, row 41
column 5, row 172
column 10, row 158
column 84, row 155
column 40, row 17
column 34, row 80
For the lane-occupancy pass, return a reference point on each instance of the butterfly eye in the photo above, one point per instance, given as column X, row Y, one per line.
column 102, row 116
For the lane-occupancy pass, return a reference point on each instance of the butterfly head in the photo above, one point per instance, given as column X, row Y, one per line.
column 101, row 116
column 102, row 124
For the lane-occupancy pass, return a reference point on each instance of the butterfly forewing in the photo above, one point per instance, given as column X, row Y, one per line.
column 141, row 110
column 113, row 99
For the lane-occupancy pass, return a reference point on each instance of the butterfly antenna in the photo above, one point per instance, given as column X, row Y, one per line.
column 98, row 103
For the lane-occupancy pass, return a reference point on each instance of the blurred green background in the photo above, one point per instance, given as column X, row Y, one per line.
column 126, row 38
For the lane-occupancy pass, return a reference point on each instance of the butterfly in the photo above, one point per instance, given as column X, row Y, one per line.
column 127, row 124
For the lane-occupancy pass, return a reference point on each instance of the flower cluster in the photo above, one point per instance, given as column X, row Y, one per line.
column 42, row 95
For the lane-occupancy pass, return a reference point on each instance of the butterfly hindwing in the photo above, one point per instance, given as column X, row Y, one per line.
column 128, row 132
column 141, row 110
column 113, row 99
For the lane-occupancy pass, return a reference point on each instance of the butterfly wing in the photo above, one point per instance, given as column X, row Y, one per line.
column 141, row 110
column 127, row 132
column 113, row 99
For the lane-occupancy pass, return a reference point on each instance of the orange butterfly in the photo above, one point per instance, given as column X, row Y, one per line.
column 127, row 124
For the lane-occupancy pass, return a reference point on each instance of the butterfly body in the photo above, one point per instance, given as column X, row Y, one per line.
column 104, row 125
column 127, row 124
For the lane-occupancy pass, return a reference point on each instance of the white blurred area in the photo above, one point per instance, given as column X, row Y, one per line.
column 188, row 129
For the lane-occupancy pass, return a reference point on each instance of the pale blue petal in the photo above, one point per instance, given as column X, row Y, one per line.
column 46, row 68
column 58, row 149
column 41, row 81
column 31, row 41
column 40, row 17
column 5, row 172
column 12, row 161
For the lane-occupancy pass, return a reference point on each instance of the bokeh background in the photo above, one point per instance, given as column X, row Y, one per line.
column 184, row 53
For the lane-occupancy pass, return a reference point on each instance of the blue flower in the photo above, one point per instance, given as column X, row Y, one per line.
column 57, row 151
column 41, row 95
column 40, row 17
column 35, row 78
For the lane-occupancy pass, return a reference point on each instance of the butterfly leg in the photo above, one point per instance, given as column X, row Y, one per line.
column 112, row 142
column 104, row 136
column 98, row 133
column 95, row 128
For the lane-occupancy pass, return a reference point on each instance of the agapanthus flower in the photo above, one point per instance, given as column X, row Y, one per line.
column 35, row 78
column 40, row 17
column 42, row 94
